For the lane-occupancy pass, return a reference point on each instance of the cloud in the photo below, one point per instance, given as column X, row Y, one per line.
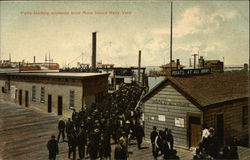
column 197, row 20
column 161, row 31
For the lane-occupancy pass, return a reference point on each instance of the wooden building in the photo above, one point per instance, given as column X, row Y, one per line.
column 166, row 69
column 184, row 104
column 54, row 92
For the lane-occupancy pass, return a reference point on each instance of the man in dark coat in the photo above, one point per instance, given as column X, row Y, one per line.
column 61, row 128
column 153, row 135
column 139, row 135
column 233, row 149
column 105, row 147
column 120, row 151
column 212, row 144
column 159, row 144
column 92, row 150
column 81, row 142
column 170, row 139
column 72, row 143
column 75, row 120
column 69, row 127
column 52, row 146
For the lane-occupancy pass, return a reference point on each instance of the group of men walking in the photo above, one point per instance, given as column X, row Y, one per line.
column 92, row 134
column 163, row 142
column 114, row 117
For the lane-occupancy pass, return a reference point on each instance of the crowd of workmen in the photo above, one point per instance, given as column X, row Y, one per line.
column 93, row 135
column 92, row 128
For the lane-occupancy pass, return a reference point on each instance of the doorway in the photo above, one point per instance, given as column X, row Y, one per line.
column 49, row 103
column 194, row 131
column 220, row 129
column 26, row 98
column 20, row 97
column 59, row 105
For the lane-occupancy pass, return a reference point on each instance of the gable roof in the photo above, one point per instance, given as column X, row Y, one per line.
column 210, row 89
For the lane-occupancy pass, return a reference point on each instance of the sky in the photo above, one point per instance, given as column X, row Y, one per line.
column 63, row 29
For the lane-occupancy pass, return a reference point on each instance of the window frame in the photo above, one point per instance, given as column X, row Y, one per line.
column 71, row 99
column 33, row 93
column 42, row 96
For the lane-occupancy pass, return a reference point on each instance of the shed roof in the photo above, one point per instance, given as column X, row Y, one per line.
column 211, row 89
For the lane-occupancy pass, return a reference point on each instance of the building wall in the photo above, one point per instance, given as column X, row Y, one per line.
column 232, row 118
column 168, row 102
column 52, row 89
column 92, row 87
column 3, row 83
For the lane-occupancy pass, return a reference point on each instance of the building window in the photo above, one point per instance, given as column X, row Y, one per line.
column 33, row 93
column 42, row 94
column 71, row 99
column 245, row 116
column 3, row 91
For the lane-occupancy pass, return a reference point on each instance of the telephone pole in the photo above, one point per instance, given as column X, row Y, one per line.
column 171, row 38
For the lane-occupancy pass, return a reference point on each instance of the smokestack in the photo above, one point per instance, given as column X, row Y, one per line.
column 139, row 67
column 10, row 57
column 93, row 50
column 195, row 60
column 177, row 63
column 34, row 59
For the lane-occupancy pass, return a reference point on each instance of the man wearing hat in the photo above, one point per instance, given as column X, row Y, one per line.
column 61, row 128
column 153, row 135
column 52, row 146
column 127, row 127
column 212, row 143
column 120, row 151
column 139, row 135
column 69, row 127
column 81, row 142
column 72, row 143
column 124, row 139
column 92, row 150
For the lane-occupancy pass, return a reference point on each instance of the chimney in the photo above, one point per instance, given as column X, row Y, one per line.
column 93, row 51
column 177, row 63
column 139, row 67
column 34, row 59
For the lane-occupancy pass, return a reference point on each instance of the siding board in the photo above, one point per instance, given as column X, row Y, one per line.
column 171, row 103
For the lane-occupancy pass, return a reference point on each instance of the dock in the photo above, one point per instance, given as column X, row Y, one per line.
column 24, row 133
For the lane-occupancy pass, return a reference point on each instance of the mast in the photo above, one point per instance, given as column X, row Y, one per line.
column 171, row 38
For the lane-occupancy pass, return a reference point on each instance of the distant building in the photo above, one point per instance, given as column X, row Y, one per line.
column 214, row 65
column 184, row 104
column 166, row 69
column 22, row 66
column 54, row 92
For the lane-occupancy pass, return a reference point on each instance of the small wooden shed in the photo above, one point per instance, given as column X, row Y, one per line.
column 183, row 104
